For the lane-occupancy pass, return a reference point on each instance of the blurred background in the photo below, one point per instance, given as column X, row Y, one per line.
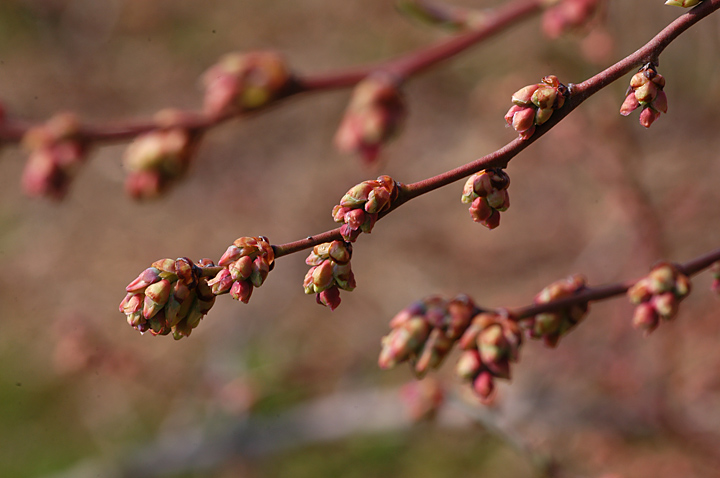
column 284, row 387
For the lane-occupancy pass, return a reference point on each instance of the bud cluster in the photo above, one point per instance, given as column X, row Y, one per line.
column 568, row 15
column 360, row 206
column 246, row 264
column 245, row 81
column 171, row 296
column 487, row 194
column 646, row 90
column 329, row 273
column 683, row 3
column 657, row 296
column 56, row 153
column 550, row 326
column 157, row 158
column 425, row 332
column 534, row 104
column 374, row 116
column 489, row 345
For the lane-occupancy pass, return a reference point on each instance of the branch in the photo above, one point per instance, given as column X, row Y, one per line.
column 403, row 67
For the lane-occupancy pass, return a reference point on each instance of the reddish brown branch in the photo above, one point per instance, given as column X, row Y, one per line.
column 611, row 290
column 402, row 67
column 500, row 158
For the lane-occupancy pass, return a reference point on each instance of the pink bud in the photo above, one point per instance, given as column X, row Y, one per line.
column 241, row 290
column 146, row 277
column 648, row 116
column 629, row 105
column 232, row 254
column 329, row 298
column 483, row 385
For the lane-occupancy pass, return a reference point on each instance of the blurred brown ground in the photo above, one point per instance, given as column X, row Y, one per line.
column 599, row 195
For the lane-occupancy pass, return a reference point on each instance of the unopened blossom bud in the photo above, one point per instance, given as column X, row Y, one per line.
column 246, row 264
column 469, row 365
column 169, row 297
column 484, row 385
column 568, row 15
column 329, row 273
column 423, row 398
column 57, row 150
column 658, row 296
column 374, row 116
column 715, row 286
column 156, row 159
column 646, row 90
column 425, row 332
column 534, row 104
column 550, row 326
column 245, row 81
column 683, row 3
column 487, row 194
column 360, row 206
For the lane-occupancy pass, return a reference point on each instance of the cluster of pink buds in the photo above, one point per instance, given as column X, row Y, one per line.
column 245, row 81
column 246, row 264
column 683, row 3
column 374, row 116
column 489, row 345
column 171, row 296
column 715, row 286
column 56, row 153
column 646, row 90
column 534, row 104
column 157, row 158
column 657, row 296
column 550, row 326
column 425, row 332
column 329, row 273
column 359, row 207
column 487, row 194
column 568, row 15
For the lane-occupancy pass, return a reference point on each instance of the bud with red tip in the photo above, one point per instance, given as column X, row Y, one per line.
column 490, row 344
column 246, row 264
column 646, row 90
column 57, row 151
column 534, row 104
column 245, row 81
column 657, row 296
column 425, row 332
column 171, row 296
column 374, row 116
column 156, row 159
column 329, row 273
column 487, row 194
column 550, row 326
column 360, row 206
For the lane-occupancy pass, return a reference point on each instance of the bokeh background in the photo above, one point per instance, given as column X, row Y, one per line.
column 282, row 386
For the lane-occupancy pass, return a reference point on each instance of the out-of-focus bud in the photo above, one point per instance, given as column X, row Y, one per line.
column 550, row 326
column 156, row 159
column 169, row 297
column 646, row 90
column 443, row 16
column 534, row 104
column 245, row 81
column 329, row 273
column 487, row 194
column 360, row 206
column 683, row 3
column 57, row 150
column 658, row 296
column 491, row 343
column 425, row 332
column 715, row 286
column 568, row 15
column 374, row 116
column 423, row 398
